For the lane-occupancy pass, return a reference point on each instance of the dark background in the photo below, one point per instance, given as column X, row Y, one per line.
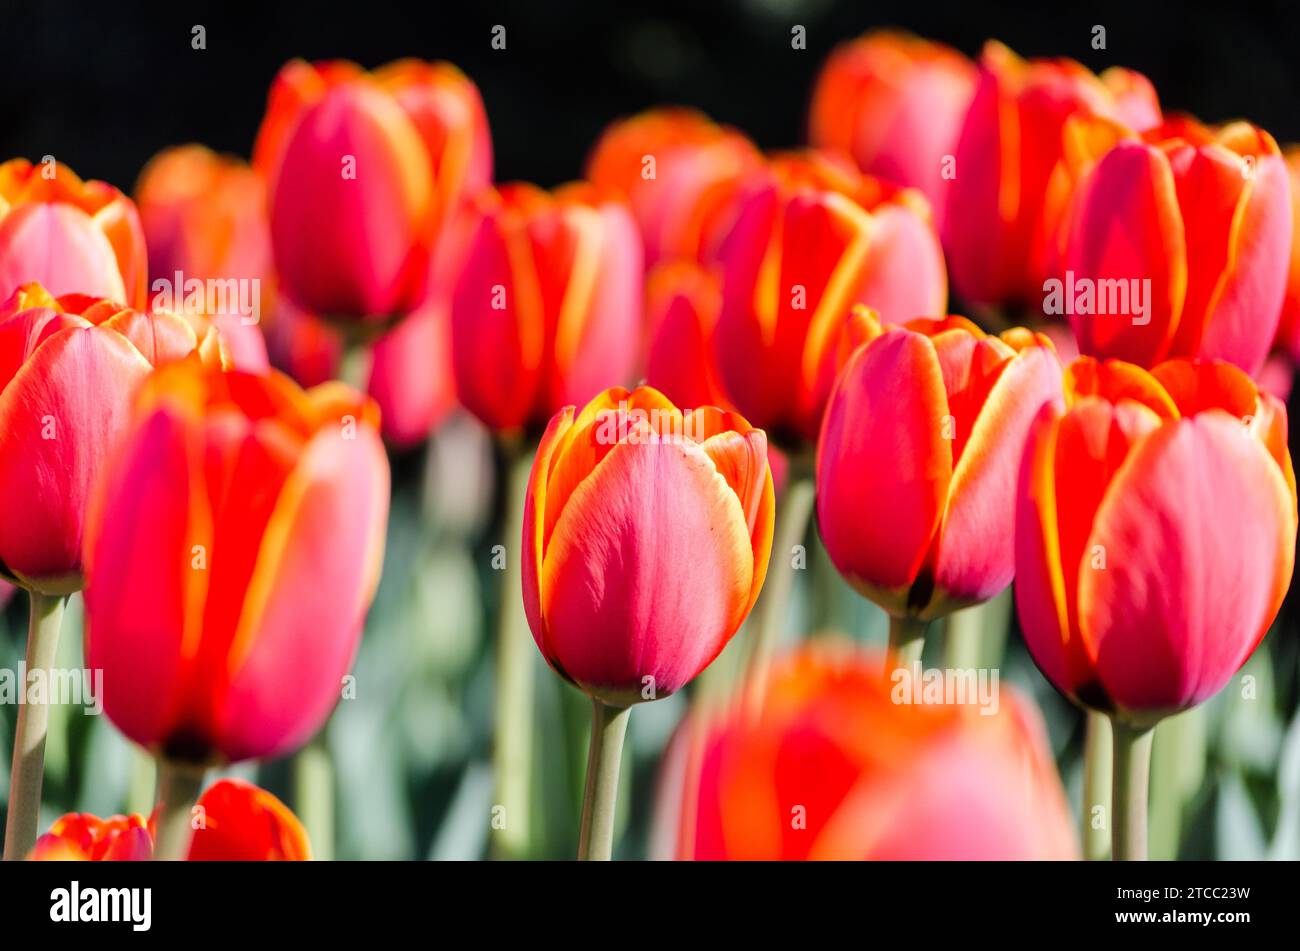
column 103, row 85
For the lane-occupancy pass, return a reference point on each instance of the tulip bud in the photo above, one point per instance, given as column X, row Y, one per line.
column 231, row 554
column 70, row 236
column 683, row 300
column 1155, row 533
column 917, row 463
column 647, row 531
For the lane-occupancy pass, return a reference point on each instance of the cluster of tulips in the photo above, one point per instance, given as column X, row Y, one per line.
column 788, row 318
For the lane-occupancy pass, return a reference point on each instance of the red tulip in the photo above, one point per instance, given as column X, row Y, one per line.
column 1000, row 206
column 1288, row 328
column 680, row 173
column 896, row 103
column 547, row 310
column 1155, row 533
column 811, row 239
column 239, row 822
column 1195, row 223
column 917, row 463
column 835, row 768
column 68, row 367
column 647, row 532
column 230, row 557
column 683, row 300
column 71, row 236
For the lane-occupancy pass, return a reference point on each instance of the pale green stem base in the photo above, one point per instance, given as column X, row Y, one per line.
column 313, row 795
column 179, row 786
column 599, row 798
column 1129, row 791
column 906, row 641
column 28, row 771
column 1096, row 818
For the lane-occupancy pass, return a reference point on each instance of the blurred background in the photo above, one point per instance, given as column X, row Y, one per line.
column 103, row 87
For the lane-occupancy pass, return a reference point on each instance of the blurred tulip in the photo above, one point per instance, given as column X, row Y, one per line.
column 68, row 367
column 647, row 532
column 683, row 300
column 71, row 236
column 836, row 768
column 1155, row 533
column 232, row 552
column 204, row 218
column 1196, row 225
column 917, row 463
column 302, row 345
column 240, row 822
column 362, row 170
column 895, row 103
column 1010, row 146
column 1288, row 328
column 547, row 310
column 680, row 173
column 812, row 238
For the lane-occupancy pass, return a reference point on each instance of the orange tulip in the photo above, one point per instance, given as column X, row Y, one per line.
column 239, row 822
column 1001, row 206
column 1155, row 533
column 918, row 458
column 1195, row 224
column 812, row 238
column 68, row 367
column 231, row 555
column 680, row 172
column 647, row 532
column 837, row 767
column 71, row 236
column 547, row 310
column 1288, row 328
column 896, row 103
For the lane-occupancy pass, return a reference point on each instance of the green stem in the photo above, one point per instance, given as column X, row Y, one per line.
column 513, row 722
column 313, row 795
column 28, row 772
column 179, row 785
column 354, row 365
column 608, row 727
column 906, row 640
column 1129, row 792
column 1096, row 787
column 793, row 513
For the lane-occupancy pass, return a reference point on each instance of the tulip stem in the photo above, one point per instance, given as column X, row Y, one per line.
column 45, row 613
column 1132, row 769
column 179, row 785
column 313, row 794
column 1096, row 787
column 906, row 640
column 792, row 515
column 599, row 798
column 513, row 721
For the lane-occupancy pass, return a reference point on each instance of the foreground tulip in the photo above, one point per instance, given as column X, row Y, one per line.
column 1155, row 537
column 681, row 174
column 896, row 103
column 231, row 554
column 917, row 466
column 362, row 168
column 547, row 311
column 71, row 236
column 1011, row 143
column 239, row 822
column 647, row 532
column 811, row 239
column 1184, row 238
column 838, row 767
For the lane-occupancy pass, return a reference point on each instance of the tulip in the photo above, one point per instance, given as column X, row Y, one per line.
column 895, row 103
column 209, row 247
column 362, row 169
column 837, row 767
column 1196, row 225
column 1011, row 144
column 917, row 465
column 1144, row 594
column 1288, row 328
column 680, row 173
column 811, row 239
column 647, row 532
column 683, row 300
column 240, row 822
column 231, row 554
column 547, row 311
